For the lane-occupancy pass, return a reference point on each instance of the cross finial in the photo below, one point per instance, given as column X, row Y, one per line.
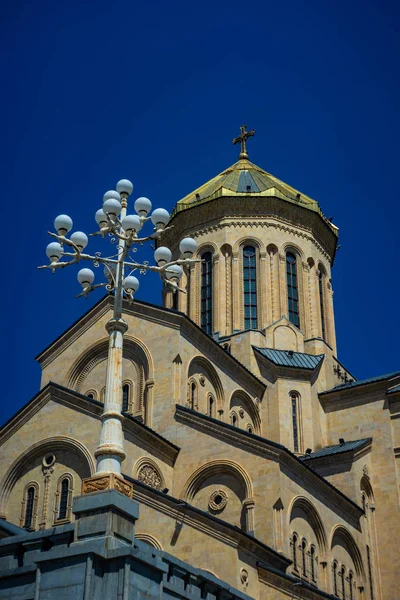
column 243, row 137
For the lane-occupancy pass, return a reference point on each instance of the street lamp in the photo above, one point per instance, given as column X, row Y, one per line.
column 123, row 229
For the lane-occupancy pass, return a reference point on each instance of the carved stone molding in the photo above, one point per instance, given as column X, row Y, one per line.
column 150, row 476
column 218, row 500
column 111, row 481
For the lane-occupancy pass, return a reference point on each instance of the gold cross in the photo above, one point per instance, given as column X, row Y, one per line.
column 244, row 135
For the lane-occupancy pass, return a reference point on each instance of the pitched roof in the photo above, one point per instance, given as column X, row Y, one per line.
column 288, row 358
column 244, row 178
column 395, row 389
column 353, row 384
column 337, row 449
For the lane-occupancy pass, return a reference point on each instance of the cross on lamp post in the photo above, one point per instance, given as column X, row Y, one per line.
column 123, row 229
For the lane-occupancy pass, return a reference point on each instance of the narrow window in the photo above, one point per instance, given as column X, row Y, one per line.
column 312, row 562
column 250, row 287
column 206, row 293
column 351, row 595
column 62, row 513
column 370, row 578
column 234, row 420
column 90, row 395
column 125, row 397
column 294, row 550
column 335, row 588
column 30, row 499
column 175, row 300
column 364, row 503
column 321, row 303
column 193, row 395
column 210, row 406
column 304, row 557
column 343, row 581
column 295, row 421
column 292, row 290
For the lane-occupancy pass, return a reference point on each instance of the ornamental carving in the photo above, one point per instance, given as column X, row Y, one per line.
column 150, row 476
column 244, row 577
column 218, row 500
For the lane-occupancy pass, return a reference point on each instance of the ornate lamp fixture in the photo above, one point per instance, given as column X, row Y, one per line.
column 124, row 230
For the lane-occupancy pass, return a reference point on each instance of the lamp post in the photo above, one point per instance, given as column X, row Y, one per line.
column 123, row 229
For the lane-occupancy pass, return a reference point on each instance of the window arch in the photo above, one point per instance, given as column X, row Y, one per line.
column 250, row 287
column 125, row 397
column 351, row 582
column 30, row 501
column 234, row 419
column 304, row 557
column 295, row 408
column 294, row 551
column 334, row 572
column 321, row 287
column 206, row 292
column 64, row 493
column 211, row 405
column 343, row 582
column 192, row 395
column 292, row 289
column 91, row 394
column 313, row 563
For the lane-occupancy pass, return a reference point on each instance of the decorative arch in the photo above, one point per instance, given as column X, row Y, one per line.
column 340, row 534
column 52, row 444
column 213, row 376
column 148, row 539
column 148, row 471
column 34, row 505
column 69, row 477
column 291, row 247
column 250, row 406
column 206, row 247
column 248, row 240
column 212, row 468
column 313, row 517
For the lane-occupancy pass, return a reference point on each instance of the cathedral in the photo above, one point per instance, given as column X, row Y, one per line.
column 260, row 465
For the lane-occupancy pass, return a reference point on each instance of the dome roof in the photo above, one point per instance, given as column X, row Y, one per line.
column 244, row 178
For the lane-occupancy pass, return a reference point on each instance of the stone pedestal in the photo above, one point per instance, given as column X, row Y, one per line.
column 106, row 481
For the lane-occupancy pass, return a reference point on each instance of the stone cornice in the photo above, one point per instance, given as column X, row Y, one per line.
column 257, row 209
column 153, row 441
column 185, row 513
column 272, row 451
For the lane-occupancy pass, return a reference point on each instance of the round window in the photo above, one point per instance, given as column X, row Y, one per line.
column 218, row 500
column 49, row 460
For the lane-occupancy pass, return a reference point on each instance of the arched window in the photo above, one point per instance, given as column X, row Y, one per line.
column 351, row 582
column 211, row 406
column 304, row 557
column 175, row 298
column 334, row 570
column 90, row 395
column 321, row 303
column 294, row 551
column 250, row 287
column 125, row 397
column 292, row 289
column 30, row 500
column 312, row 563
column 343, row 582
column 206, row 293
column 294, row 398
column 234, row 419
column 62, row 511
column 192, row 398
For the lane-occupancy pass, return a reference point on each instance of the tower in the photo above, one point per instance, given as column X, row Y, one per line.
column 267, row 253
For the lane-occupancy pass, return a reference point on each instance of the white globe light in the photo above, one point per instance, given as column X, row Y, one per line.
column 131, row 284
column 63, row 224
column 101, row 218
column 174, row 272
column 85, row 277
column 162, row 255
column 160, row 218
column 80, row 239
column 124, row 186
column 188, row 247
column 112, row 207
column 111, row 194
column 54, row 251
column 142, row 206
column 131, row 222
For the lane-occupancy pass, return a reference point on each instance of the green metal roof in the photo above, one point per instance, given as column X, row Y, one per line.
column 244, row 178
column 353, row 384
column 337, row 449
column 288, row 358
column 395, row 389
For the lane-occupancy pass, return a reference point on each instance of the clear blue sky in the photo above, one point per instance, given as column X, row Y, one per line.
column 155, row 92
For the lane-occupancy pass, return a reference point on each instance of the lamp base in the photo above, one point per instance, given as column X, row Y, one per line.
column 106, row 481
